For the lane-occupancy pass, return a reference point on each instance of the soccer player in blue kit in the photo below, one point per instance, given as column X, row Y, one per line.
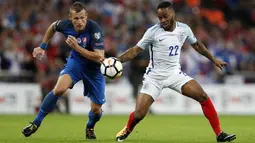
column 85, row 37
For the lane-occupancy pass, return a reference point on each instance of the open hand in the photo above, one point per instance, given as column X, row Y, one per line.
column 220, row 64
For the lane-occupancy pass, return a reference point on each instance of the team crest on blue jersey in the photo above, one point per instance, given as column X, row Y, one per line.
column 181, row 37
column 82, row 41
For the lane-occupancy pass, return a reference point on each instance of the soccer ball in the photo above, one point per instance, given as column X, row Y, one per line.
column 111, row 68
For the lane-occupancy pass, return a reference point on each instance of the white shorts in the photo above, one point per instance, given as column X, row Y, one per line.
column 153, row 87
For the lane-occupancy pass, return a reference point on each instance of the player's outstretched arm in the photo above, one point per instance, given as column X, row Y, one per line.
column 130, row 54
column 200, row 48
column 39, row 52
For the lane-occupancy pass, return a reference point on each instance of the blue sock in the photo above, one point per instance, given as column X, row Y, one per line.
column 48, row 104
column 93, row 119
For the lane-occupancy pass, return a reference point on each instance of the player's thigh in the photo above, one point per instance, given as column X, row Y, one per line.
column 73, row 69
column 64, row 82
column 94, row 88
column 194, row 90
column 68, row 77
column 176, row 81
column 151, row 87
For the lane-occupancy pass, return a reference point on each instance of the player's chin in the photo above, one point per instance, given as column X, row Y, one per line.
column 166, row 26
column 79, row 28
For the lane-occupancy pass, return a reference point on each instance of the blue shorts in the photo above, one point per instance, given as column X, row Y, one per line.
column 93, row 81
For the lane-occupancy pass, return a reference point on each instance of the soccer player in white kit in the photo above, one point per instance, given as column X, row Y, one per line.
column 165, row 41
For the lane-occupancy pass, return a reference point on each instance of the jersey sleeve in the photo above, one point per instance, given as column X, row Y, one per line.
column 97, row 37
column 146, row 41
column 191, row 39
column 59, row 25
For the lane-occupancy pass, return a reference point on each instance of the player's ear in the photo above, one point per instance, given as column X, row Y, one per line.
column 86, row 14
column 70, row 16
column 173, row 14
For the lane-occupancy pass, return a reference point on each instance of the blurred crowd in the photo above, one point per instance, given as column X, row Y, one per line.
column 226, row 27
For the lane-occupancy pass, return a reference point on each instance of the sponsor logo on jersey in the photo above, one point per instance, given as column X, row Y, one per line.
column 99, row 44
column 79, row 40
column 97, row 35
column 161, row 39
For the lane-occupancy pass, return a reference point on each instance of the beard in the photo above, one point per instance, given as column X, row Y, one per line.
column 170, row 25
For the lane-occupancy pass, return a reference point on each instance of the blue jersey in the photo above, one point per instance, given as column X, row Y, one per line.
column 90, row 38
column 81, row 68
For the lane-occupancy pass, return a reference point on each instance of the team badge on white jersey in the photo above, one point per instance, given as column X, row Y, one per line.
column 181, row 36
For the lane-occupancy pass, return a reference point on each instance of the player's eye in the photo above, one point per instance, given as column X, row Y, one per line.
column 162, row 17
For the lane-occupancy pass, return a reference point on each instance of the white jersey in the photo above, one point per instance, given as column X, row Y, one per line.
column 165, row 48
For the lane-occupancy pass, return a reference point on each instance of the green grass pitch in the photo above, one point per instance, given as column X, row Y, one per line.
column 153, row 129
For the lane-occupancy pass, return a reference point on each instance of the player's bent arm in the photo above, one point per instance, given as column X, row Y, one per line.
column 49, row 33
column 200, row 48
column 130, row 54
column 39, row 52
column 96, row 55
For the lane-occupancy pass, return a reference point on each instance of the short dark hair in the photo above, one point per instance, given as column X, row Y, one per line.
column 77, row 7
column 165, row 4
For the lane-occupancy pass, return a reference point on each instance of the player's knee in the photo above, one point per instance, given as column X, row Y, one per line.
column 58, row 91
column 202, row 97
column 96, row 110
